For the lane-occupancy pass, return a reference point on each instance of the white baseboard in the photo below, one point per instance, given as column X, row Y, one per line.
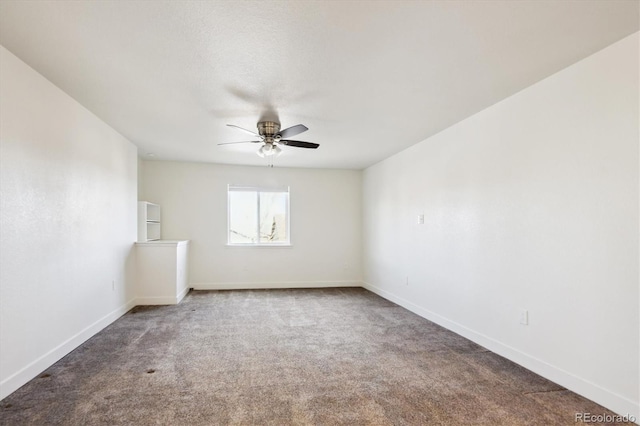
column 277, row 284
column 168, row 300
column 182, row 294
column 616, row 403
column 18, row 379
column 162, row 300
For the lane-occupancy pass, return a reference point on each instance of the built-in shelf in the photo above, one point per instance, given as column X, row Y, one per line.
column 148, row 221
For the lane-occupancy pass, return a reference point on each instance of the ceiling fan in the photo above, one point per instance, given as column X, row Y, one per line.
column 271, row 137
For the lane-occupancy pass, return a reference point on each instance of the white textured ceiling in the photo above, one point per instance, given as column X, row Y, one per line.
column 368, row 78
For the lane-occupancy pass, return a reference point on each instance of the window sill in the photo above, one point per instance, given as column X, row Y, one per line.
column 260, row 245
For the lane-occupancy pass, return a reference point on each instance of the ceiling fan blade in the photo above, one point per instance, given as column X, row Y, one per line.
column 292, row 131
column 231, row 143
column 244, row 130
column 299, row 144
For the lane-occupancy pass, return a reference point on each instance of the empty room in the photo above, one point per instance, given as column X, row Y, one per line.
column 319, row 212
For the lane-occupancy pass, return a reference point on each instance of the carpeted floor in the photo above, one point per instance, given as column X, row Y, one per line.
column 286, row 357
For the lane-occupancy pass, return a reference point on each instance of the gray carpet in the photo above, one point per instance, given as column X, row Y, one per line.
column 283, row 357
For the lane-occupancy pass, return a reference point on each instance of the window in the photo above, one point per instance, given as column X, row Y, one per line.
column 258, row 216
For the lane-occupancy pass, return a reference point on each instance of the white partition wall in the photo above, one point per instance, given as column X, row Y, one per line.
column 162, row 272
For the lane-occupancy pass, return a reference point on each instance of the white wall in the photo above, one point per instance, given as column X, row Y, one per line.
column 325, row 208
column 67, row 223
column 530, row 204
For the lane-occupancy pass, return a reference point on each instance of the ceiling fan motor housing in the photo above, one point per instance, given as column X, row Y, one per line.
column 268, row 130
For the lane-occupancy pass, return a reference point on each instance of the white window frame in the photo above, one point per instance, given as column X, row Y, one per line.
column 258, row 190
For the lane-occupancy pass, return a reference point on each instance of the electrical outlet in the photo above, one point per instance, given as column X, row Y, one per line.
column 420, row 219
column 524, row 317
column 113, row 285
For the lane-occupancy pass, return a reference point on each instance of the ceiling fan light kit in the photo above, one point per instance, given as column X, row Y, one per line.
column 269, row 150
column 272, row 137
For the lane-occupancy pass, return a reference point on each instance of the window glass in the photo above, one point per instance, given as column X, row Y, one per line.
column 273, row 217
column 258, row 216
column 243, row 213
